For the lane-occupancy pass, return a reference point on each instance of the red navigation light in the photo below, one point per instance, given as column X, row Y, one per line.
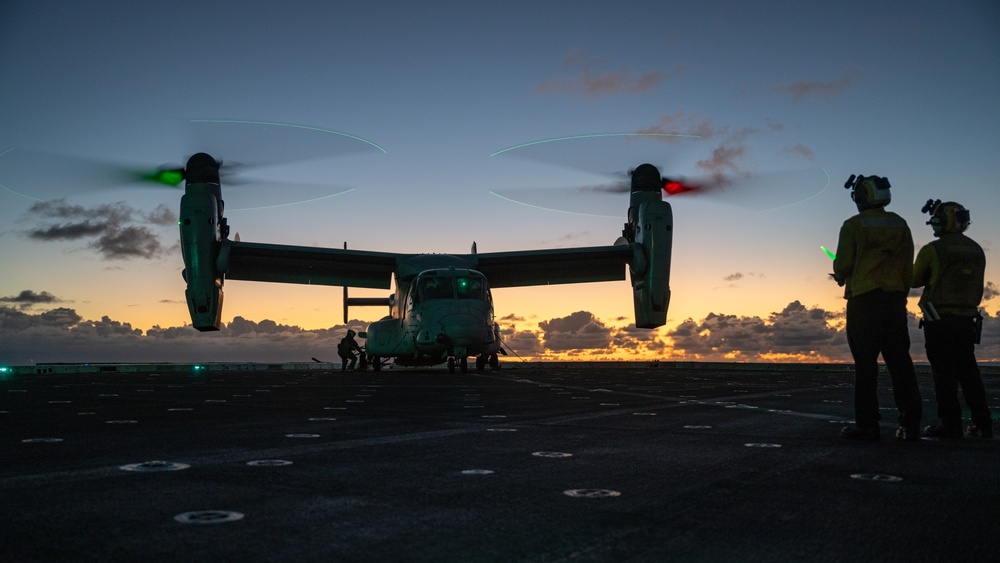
column 673, row 187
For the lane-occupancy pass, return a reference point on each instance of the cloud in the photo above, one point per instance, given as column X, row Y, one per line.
column 62, row 335
column 990, row 291
column 110, row 228
column 795, row 332
column 726, row 166
column 726, row 159
column 12, row 320
column 731, row 144
column 800, row 150
column 70, row 231
column 162, row 216
column 581, row 73
column 737, row 276
column 28, row 298
column 819, row 89
column 581, row 330
column 682, row 123
column 128, row 242
column 521, row 342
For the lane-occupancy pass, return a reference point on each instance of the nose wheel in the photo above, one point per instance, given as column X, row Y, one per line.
column 463, row 364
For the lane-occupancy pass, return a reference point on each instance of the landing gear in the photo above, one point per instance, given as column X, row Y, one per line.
column 463, row 364
column 483, row 359
column 377, row 363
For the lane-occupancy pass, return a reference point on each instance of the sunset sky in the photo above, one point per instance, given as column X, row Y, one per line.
column 788, row 99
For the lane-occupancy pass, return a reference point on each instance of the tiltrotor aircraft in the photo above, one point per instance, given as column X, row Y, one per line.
column 442, row 308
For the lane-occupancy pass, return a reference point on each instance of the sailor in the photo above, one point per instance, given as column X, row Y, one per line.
column 348, row 345
column 874, row 256
column 951, row 270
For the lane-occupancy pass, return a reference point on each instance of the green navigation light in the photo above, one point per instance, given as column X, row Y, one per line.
column 165, row 177
column 828, row 253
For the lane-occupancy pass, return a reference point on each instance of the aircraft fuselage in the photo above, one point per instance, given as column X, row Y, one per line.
column 443, row 315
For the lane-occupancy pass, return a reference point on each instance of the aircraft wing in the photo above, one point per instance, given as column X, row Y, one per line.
column 247, row 261
column 278, row 263
column 561, row 265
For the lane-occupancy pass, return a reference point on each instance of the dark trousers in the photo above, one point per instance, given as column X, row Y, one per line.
column 347, row 361
column 951, row 349
column 876, row 324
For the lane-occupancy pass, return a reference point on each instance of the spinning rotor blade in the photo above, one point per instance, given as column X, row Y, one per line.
column 603, row 153
column 255, row 195
column 40, row 175
column 267, row 143
column 755, row 191
column 763, row 192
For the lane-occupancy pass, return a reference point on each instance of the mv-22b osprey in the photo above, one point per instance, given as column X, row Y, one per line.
column 442, row 309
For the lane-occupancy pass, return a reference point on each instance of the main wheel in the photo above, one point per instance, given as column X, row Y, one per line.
column 451, row 365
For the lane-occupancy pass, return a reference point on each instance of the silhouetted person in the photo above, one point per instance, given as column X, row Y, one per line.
column 348, row 345
column 951, row 270
column 874, row 256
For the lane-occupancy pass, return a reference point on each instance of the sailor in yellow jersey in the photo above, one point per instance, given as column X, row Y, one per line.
column 951, row 270
column 874, row 264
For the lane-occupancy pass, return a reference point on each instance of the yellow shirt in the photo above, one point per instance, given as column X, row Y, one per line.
column 953, row 270
column 875, row 251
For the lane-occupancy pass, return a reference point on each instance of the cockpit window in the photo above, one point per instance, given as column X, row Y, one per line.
column 469, row 288
column 435, row 287
column 448, row 287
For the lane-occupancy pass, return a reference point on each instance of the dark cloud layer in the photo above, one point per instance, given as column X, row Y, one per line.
column 579, row 330
column 796, row 333
column 115, row 230
column 28, row 298
column 62, row 335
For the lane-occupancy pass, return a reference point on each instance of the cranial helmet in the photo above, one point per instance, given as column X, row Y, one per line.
column 947, row 217
column 869, row 191
column 351, row 333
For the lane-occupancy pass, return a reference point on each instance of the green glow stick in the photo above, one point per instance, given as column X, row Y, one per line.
column 828, row 253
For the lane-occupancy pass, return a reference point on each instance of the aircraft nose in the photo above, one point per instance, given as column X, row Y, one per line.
column 465, row 329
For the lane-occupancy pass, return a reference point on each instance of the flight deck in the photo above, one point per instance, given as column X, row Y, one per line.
column 533, row 462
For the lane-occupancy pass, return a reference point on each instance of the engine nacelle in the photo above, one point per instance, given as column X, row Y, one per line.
column 201, row 235
column 653, row 228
